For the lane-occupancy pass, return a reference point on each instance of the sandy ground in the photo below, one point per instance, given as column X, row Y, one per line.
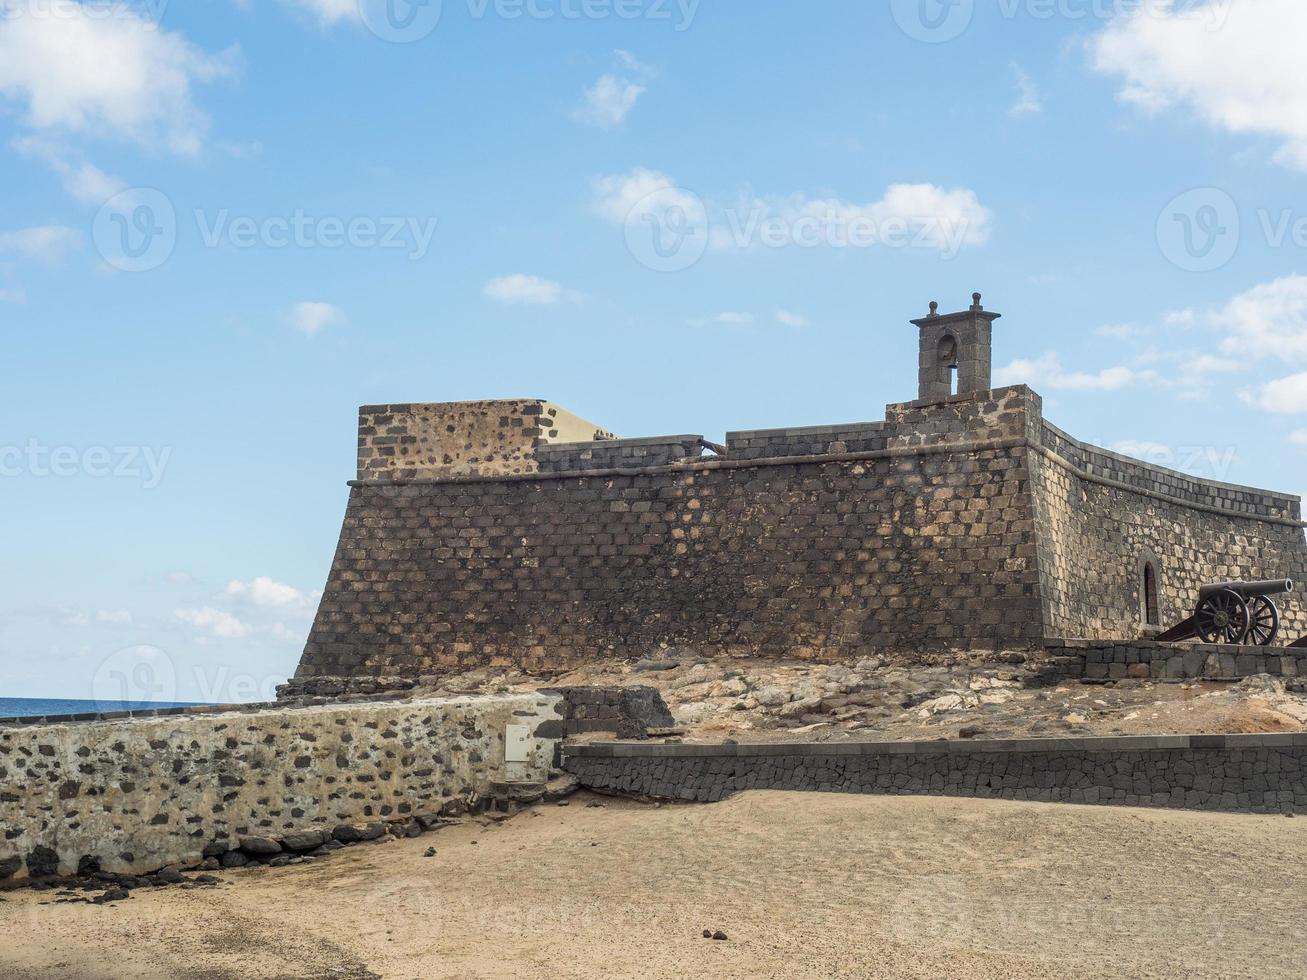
column 804, row 885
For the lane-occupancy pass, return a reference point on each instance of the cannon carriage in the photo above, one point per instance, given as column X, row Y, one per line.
column 1235, row 613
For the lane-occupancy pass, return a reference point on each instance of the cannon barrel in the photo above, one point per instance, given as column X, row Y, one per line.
column 1249, row 590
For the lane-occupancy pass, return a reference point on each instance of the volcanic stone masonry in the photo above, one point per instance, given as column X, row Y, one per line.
column 137, row 794
column 514, row 533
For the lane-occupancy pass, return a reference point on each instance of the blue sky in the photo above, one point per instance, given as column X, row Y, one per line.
column 226, row 224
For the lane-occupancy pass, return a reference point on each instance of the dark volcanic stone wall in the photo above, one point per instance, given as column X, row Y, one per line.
column 1246, row 773
column 963, row 523
column 917, row 548
column 1095, row 533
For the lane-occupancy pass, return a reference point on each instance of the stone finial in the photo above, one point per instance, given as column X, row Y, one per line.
column 934, row 308
column 975, row 301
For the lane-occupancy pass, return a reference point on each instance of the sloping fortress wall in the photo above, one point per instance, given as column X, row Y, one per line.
column 963, row 520
column 139, row 794
column 1102, row 516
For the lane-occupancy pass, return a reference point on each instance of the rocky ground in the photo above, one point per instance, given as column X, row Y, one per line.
column 799, row 886
column 978, row 696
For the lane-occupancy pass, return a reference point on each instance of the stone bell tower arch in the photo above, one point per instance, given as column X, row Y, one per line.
column 955, row 342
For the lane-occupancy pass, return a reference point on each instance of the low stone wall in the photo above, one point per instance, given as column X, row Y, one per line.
column 1244, row 773
column 629, row 712
column 1175, row 661
column 141, row 793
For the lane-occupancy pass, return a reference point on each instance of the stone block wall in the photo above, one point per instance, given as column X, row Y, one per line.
column 913, row 547
column 964, row 522
column 1172, row 661
column 1241, row 773
column 618, row 454
column 142, row 793
column 1102, row 515
column 807, row 441
column 484, row 438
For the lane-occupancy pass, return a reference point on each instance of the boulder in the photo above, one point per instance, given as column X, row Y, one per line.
column 347, row 834
column 372, row 831
column 9, row 866
column 234, row 859
column 304, row 840
column 560, row 787
column 260, row 845
column 42, row 862
column 217, row 849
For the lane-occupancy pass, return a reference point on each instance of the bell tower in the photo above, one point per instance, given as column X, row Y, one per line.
column 956, row 357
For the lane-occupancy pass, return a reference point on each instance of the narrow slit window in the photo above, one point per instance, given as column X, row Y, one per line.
column 1152, row 615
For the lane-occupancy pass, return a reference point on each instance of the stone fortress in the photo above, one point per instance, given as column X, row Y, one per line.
column 512, row 533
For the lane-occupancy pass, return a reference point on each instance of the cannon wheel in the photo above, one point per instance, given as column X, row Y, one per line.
column 1222, row 618
column 1263, row 621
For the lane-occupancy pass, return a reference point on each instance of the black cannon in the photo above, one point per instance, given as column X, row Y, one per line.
column 1233, row 612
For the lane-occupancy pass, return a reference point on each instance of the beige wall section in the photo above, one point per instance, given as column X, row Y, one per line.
column 478, row 438
column 144, row 793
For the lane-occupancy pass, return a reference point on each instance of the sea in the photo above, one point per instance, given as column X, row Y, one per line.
column 37, row 707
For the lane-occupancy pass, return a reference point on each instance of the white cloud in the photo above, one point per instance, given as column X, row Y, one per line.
column 641, row 193
column 1030, row 100
column 729, row 319
column 521, row 289
column 45, row 243
column 787, row 319
column 1048, row 371
column 82, row 180
column 1267, row 320
column 330, row 12
column 113, row 617
column 1284, row 396
column 219, row 623
column 121, row 76
column 607, row 103
column 310, row 318
column 923, row 215
column 265, row 591
column 1237, row 66
column 1299, row 438
column 908, row 214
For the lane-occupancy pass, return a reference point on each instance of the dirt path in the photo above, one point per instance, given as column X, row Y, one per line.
column 804, row 885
